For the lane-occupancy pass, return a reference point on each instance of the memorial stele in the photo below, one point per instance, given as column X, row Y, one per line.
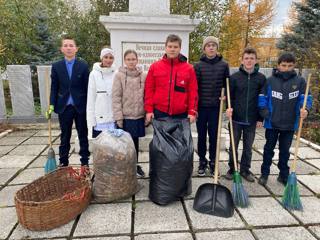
column 144, row 28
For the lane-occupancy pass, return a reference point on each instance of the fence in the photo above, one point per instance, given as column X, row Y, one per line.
column 22, row 96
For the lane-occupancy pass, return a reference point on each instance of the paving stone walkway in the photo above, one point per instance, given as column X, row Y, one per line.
column 23, row 154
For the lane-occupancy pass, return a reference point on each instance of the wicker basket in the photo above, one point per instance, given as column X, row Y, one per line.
column 52, row 200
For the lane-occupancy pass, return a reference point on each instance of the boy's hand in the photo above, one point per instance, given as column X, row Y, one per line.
column 119, row 123
column 149, row 117
column 192, row 118
column 303, row 113
column 229, row 112
column 259, row 124
column 49, row 111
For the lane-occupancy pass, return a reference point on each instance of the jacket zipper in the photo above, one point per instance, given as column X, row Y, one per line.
column 170, row 85
column 248, row 91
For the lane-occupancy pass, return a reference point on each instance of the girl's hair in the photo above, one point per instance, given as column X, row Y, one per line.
column 130, row 51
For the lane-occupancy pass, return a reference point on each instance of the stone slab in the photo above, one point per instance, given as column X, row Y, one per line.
column 285, row 233
column 266, row 211
column 201, row 221
column 196, row 183
column 101, row 219
column 106, row 238
column 6, row 174
column 314, row 162
column 13, row 161
column 311, row 181
column 145, row 168
column 40, row 161
column 23, row 233
column 226, row 235
column 8, row 218
column 28, row 176
column 55, row 149
column 304, row 168
column 311, row 210
column 22, row 133
column 5, row 149
column 144, row 190
column 165, row 236
column 259, row 143
column 44, row 82
column 7, row 195
column 45, row 133
column 12, row 140
column 32, row 150
column 277, row 188
column 315, row 230
column 306, row 152
column 143, row 157
column 276, row 155
column 150, row 217
column 36, row 141
column 256, row 168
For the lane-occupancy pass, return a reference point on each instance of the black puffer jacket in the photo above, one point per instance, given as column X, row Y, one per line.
column 244, row 93
column 211, row 77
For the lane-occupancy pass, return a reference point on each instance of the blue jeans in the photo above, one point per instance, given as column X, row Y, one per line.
column 285, row 140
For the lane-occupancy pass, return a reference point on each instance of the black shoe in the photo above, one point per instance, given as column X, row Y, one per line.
column 202, row 170
column 282, row 180
column 140, row 172
column 247, row 175
column 229, row 175
column 263, row 180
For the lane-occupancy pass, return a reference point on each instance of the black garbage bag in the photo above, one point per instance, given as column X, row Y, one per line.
column 171, row 160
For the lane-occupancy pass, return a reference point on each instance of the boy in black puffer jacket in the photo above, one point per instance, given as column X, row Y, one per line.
column 211, row 72
column 245, row 87
column 280, row 105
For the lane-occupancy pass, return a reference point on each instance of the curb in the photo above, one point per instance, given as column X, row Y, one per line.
column 5, row 133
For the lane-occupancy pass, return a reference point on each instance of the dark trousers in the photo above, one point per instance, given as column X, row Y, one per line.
column 207, row 122
column 136, row 145
column 66, row 120
column 248, row 133
column 285, row 140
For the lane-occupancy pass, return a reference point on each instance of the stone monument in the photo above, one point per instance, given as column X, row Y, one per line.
column 145, row 28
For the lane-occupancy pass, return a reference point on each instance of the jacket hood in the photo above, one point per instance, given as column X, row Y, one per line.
column 255, row 69
column 131, row 73
column 284, row 75
column 214, row 60
column 97, row 67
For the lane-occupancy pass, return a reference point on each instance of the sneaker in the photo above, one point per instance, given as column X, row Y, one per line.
column 229, row 175
column 263, row 180
column 85, row 171
column 140, row 172
column 282, row 180
column 202, row 170
column 247, row 175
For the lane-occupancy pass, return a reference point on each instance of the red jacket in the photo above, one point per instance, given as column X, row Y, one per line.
column 171, row 87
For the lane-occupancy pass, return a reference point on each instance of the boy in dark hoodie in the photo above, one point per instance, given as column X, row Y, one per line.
column 245, row 87
column 280, row 105
column 211, row 72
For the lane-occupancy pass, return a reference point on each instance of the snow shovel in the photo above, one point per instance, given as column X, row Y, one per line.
column 215, row 199
column 51, row 163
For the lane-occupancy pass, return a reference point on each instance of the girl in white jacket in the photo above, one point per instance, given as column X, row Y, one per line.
column 99, row 102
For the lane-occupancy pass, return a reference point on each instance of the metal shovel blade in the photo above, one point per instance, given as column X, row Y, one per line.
column 214, row 199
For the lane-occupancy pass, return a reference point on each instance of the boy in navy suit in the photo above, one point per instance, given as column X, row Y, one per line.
column 68, row 99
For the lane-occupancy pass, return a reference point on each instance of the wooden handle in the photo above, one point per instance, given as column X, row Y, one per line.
column 216, row 165
column 296, row 148
column 48, row 99
column 231, row 130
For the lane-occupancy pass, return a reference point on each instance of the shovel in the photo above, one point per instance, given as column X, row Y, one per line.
column 215, row 199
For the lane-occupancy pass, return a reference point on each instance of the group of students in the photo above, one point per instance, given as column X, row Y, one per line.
column 128, row 98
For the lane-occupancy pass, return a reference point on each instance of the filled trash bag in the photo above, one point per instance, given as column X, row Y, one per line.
column 114, row 166
column 171, row 160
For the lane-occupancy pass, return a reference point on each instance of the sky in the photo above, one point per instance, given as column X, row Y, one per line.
column 281, row 17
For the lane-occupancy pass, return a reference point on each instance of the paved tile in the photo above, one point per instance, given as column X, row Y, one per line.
column 205, row 221
column 305, row 168
column 311, row 210
column 36, row 141
column 106, row 238
column 28, row 176
column 5, row 141
column 145, row 167
column 259, row 143
column 278, row 189
column 55, row 149
column 32, row 150
column 15, row 161
column 286, row 233
column 7, row 195
column 256, row 168
column 44, row 132
column 39, row 162
column 226, row 235
column 165, row 236
column 314, row 162
column 23, row 233
column 5, row 149
column 315, row 230
column 266, row 211
column 101, row 219
column 150, row 217
column 8, row 218
column 6, row 174
column 311, row 181
column 196, row 182
column 144, row 189
column 22, row 133
column 307, row 152
column 143, row 157
column 276, row 154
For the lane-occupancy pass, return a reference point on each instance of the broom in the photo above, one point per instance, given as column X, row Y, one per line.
column 51, row 163
column 291, row 197
column 239, row 194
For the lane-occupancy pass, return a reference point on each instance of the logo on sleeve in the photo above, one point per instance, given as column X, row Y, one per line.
column 277, row 95
column 293, row 94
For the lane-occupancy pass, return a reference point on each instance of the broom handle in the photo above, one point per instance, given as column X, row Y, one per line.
column 48, row 99
column 296, row 148
column 231, row 129
column 216, row 167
